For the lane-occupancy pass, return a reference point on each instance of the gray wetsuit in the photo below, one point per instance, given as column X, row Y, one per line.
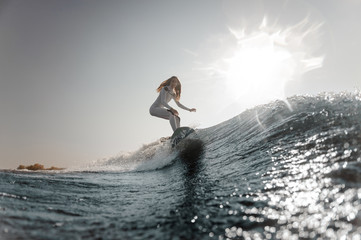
column 161, row 109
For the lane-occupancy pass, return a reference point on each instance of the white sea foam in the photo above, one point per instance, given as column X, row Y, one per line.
column 152, row 156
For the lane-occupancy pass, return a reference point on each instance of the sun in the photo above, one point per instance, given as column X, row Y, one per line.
column 259, row 67
column 262, row 62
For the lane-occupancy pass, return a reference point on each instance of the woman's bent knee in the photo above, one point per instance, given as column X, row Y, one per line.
column 159, row 112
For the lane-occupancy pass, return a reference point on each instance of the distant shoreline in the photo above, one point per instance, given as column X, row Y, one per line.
column 38, row 167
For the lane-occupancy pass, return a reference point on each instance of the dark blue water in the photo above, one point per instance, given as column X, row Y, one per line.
column 277, row 171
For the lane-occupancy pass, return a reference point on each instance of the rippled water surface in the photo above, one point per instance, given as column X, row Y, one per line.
column 278, row 171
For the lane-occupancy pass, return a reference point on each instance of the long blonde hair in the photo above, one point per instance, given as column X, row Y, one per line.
column 178, row 88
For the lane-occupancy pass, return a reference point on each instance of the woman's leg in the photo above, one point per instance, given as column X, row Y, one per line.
column 160, row 112
column 166, row 114
column 174, row 122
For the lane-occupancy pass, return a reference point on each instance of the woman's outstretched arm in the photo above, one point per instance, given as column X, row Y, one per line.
column 184, row 107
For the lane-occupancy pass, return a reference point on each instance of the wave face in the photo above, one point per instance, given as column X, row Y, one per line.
column 277, row 171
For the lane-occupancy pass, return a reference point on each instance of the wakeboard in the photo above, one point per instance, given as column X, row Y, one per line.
column 179, row 134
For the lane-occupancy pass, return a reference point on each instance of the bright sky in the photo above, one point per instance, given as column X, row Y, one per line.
column 77, row 77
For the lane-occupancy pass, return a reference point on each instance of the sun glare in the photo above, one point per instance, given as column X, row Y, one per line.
column 259, row 67
column 262, row 62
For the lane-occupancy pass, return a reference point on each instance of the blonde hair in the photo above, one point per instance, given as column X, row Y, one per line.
column 178, row 88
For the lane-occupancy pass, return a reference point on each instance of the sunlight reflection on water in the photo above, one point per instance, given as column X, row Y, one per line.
column 303, row 201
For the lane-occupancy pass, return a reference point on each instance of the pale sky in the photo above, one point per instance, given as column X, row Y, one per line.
column 77, row 77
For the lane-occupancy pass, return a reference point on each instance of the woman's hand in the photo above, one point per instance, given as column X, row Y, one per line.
column 193, row 110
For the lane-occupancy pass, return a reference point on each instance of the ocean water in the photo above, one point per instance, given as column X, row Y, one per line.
column 284, row 170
